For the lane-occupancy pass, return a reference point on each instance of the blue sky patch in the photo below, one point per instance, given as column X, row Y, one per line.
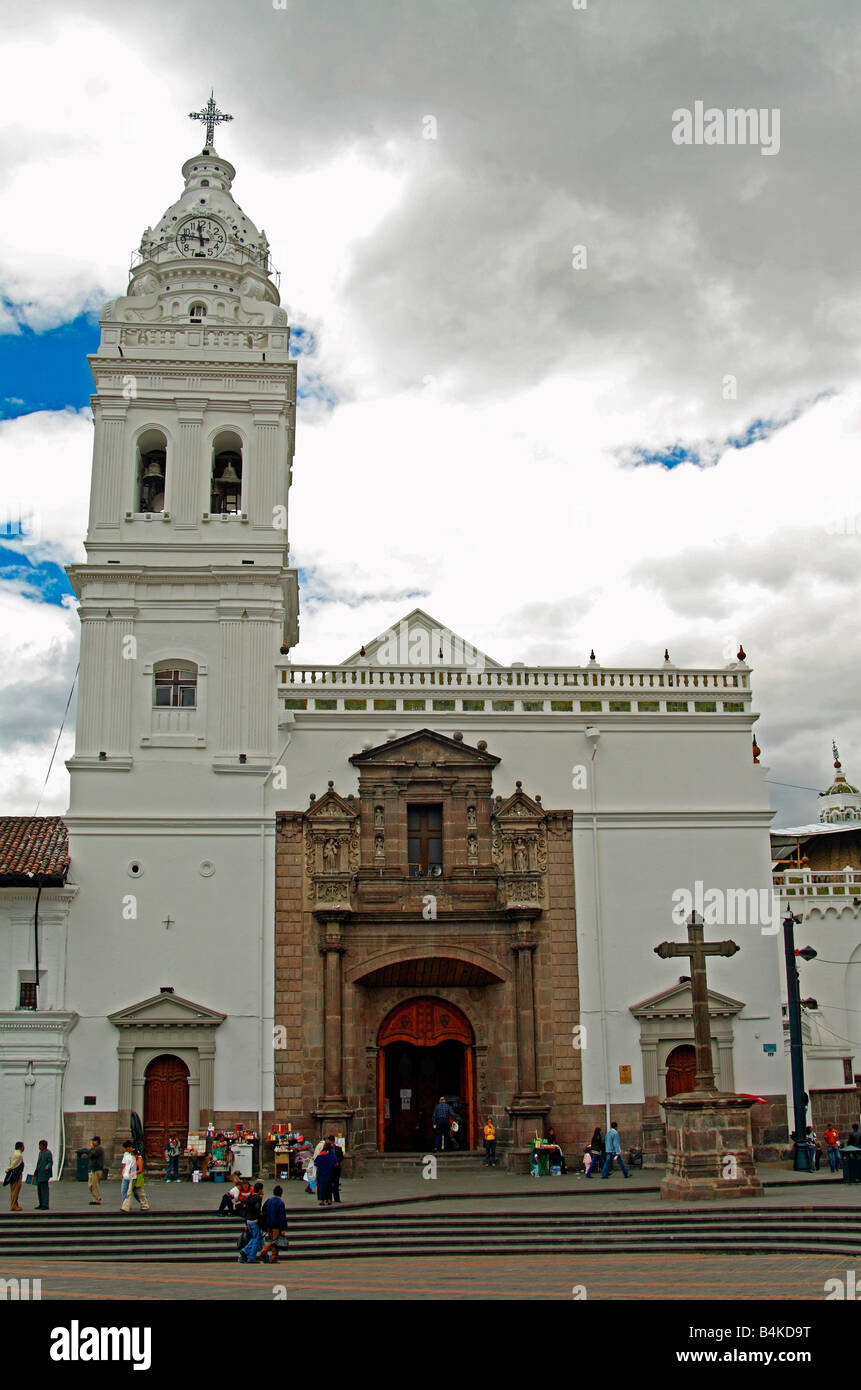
column 47, row 371
column 709, row 451
column 47, row 578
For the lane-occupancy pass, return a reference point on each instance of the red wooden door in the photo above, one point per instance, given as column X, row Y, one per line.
column 681, row 1070
column 165, row 1104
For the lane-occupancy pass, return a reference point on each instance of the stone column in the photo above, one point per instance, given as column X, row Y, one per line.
column 527, row 1113
column 331, row 949
column 523, row 944
column 332, row 1113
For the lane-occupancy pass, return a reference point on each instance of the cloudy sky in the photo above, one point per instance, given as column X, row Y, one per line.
column 565, row 381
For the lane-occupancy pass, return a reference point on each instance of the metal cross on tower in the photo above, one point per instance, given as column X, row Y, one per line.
column 212, row 116
column 698, row 950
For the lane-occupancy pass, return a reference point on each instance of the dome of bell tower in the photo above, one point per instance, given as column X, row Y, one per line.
column 204, row 230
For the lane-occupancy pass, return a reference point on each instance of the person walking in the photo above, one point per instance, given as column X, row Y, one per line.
column 253, row 1209
column 325, row 1164
column 490, row 1143
column 172, row 1151
column 96, row 1159
column 42, row 1174
column 832, row 1143
column 441, row 1120
column 596, row 1151
column 133, row 1179
column 15, row 1176
column 613, row 1150
column 138, row 1184
column 335, row 1188
column 273, row 1220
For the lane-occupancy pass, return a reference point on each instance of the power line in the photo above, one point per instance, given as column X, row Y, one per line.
column 59, row 736
column 795, row 785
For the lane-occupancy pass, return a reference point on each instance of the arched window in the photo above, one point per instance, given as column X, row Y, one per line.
column 196, row 312
column 174, row 685
column 226, row 489
column 151, row 477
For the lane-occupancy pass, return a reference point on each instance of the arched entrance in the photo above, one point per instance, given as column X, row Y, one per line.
column 681, row 1070
column 425, row 1050
column 165, row 1103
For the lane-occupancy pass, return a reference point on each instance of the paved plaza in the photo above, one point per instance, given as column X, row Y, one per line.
column 539, row 1278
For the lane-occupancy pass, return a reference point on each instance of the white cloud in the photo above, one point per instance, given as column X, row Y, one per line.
column 488, row 390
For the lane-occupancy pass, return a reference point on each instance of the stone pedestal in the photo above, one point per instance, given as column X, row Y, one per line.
column 528, row 1115
column 654, row 1142
column 709, row 1150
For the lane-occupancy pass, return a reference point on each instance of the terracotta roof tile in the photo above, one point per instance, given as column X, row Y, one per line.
column 33, row 844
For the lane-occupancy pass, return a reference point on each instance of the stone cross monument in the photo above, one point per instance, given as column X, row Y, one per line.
column 698, row 950
column 709, row 1148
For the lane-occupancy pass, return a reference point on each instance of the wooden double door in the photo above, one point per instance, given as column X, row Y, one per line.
column 426, row 1050
column 165, row 1104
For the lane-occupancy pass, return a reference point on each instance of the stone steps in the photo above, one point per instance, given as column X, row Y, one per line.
column 193, row 1237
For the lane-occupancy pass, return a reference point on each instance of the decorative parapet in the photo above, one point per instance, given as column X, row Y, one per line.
column 516, row 689
column 818, row 883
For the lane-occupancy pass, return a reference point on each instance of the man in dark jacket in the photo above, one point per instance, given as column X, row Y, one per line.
column 441, row 1119
column 94, row 1177
column 273, row 1220
column 43, row 1173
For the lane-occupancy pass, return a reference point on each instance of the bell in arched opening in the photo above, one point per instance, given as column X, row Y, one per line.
column 227, row 483
column 152, row 481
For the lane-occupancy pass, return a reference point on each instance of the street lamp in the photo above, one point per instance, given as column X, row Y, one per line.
column 802, row 1159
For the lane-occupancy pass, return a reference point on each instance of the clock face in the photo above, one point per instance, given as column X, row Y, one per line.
column 201, row 237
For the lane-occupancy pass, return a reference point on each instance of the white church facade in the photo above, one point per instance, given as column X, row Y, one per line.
column 211, row 951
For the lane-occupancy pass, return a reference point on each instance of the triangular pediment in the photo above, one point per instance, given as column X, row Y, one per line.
column 331, row 806
column 677, row 1002
column 518, row 807
column 425, row 748
column 421, row 641
column 166, row 1010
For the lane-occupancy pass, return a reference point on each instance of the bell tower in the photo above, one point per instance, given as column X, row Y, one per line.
column 186, row 595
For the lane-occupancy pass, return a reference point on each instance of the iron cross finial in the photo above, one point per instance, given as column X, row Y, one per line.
column 212, row 116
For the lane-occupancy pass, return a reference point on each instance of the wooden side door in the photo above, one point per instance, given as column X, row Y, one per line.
column 165, row 1105
column 681, row 1070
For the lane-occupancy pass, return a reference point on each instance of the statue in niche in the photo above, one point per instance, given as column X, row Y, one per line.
column 379, row 847
column 378, row 817
column 472, row 847
column 471, row 817
column 521, row 858
column 330, row 856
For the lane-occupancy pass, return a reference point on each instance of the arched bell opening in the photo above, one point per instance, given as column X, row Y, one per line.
column 151, row 472
column 226, row 488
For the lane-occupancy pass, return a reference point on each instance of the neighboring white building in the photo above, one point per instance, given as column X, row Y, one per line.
column 193, row 733
column 817, row 874
column 35, row 1024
